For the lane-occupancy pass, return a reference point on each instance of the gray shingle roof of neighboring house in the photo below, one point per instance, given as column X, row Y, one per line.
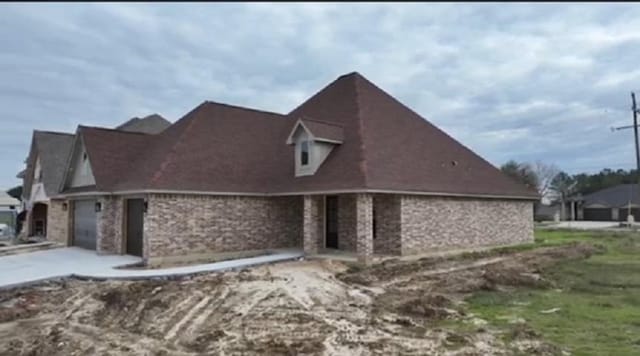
column 7, row 200
column 152, row 124
column 616, row 196
column 53, row 149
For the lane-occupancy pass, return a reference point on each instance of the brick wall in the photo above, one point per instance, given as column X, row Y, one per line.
column 364, row 226
column 431, row 223
column 109, row 229
column 58, row 222
column 387, row 224
column 347, row 222
column 312, row 228
column 184, row 224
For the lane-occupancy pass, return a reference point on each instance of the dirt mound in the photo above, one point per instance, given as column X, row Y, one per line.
column 417, row 304
column 304, row 307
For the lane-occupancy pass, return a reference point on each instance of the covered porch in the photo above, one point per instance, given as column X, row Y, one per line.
column 351, row 225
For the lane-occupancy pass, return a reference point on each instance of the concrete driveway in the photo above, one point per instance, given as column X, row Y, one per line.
column 27, row 268
column 30, row 267
column 585, row 225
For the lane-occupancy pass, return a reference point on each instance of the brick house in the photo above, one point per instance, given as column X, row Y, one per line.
column 350, row 169
column 45, row 169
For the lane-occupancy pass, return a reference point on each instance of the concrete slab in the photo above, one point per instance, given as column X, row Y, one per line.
column 29, row 268
column 585, row 225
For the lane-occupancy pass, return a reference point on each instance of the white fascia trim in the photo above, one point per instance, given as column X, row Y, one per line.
column 328, row 141
column 406, row 192
column 158, row 191
column 318, row 192
column 293, row 131
column 312, row 137
column 79, row 194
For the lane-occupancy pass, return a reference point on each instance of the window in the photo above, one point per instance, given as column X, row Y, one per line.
column 304, row 153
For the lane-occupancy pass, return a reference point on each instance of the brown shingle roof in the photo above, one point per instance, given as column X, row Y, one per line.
column 224, row 148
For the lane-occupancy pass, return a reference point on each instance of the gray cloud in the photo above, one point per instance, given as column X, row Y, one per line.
column 522, row 81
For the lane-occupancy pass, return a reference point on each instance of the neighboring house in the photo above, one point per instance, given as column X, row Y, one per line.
column 46, row 165
column 350, row 169
column 547, row 212
column 610, row 204
column 152, row 124
column 8, row 212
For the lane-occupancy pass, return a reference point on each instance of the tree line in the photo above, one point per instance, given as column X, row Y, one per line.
column 557, row 185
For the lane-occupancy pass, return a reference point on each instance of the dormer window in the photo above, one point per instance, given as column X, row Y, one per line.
column 304, row 153
column 313, row 141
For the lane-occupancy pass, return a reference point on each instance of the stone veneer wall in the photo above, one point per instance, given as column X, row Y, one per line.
column 177, row 225
column 433, row 223
column 110, row 225
column 386, row 209
column 58, row 222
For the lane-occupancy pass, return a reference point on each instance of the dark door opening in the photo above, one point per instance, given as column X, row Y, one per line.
column 331, row 221
column 135, row 225
column 39, row 220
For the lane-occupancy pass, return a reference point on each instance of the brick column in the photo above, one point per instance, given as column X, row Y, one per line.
column 364, row 227
column 310, row 231
column 58, row 221
column 109, row 226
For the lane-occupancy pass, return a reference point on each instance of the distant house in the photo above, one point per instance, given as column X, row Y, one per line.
column 8, row 211
column 610, row 204
column 547, row 212
column 45, row 168
column 351, row 169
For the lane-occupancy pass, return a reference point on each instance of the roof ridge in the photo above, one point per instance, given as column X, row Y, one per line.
column 171, row 152
column 244, row 108
column 307, row 118
column 54, row 132
column 113, row 130
column 363, row 164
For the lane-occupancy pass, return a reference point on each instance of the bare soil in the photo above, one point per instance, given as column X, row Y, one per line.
column 303, row 307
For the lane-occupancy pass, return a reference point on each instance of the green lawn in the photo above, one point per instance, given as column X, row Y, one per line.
column 598, row 298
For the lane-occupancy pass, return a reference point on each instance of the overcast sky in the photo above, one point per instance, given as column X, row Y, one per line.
column 510, row 81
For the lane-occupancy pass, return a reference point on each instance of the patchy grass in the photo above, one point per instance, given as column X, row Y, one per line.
column 593, row 306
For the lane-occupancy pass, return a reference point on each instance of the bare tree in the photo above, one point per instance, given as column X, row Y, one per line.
column 563, row 185
column 545, row 174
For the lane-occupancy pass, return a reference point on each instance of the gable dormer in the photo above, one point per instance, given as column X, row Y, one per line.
column 80, row 173
column 313, row 142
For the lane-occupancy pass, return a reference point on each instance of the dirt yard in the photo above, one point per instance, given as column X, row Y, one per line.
column 303, row 307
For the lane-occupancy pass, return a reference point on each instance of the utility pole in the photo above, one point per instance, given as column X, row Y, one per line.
column 634, row 108
column 635, row 132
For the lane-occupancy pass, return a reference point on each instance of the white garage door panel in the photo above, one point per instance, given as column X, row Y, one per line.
column 84, row 224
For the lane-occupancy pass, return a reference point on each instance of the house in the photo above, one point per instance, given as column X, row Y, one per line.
column 8, row 211
column 610, row 204
column 547, row 212
column 351, row 169
column 46, row 165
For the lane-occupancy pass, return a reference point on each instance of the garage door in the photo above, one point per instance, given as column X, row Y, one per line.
column 597, row 214
column 623, row 212
column 84, row 224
